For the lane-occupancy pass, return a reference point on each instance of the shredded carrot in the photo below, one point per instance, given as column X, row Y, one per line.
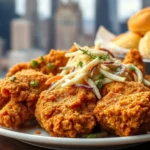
column 53, row 79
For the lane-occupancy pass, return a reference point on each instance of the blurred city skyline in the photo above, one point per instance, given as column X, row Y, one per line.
column 123, row 10
column 29, row 28
column 44, row 8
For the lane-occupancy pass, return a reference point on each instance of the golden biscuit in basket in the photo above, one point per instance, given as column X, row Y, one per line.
column 144, row 46
column 127, row 40
column 140, row 22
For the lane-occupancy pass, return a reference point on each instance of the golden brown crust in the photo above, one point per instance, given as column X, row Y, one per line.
column 124, row 88
column 16, row 114
column 123, row 111
column 140, row 22
column 134, row 57
column 66, row 112
column 127, row 40
column 57, row 58
column 21, row 97
column 3, row 99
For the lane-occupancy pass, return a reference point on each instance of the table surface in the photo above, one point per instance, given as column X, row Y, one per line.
column 10, row 144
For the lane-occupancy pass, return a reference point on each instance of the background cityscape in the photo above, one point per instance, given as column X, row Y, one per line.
column 30, row 28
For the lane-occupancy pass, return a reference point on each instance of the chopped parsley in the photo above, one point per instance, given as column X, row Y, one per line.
column 87, row 53
column 104, row 57
column 117, row 69
column 91, row 136
column 80, row 64
column 34, row 64
column 131, row 67
column 12, row 78
column 101, row 76
column 51, row 66
column 99, row 84
column 42, row 58
column 34, row 83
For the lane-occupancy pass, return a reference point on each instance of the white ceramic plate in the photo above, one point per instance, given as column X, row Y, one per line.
column 44, row 140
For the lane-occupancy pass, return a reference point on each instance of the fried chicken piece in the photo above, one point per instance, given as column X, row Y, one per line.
column 22, row 92
column 134, row 57
column 147, row 77
column 124, row 111
column 46, row 64
column 15, row 114
column 66, row 112
column 3, row 99
column 123, row 88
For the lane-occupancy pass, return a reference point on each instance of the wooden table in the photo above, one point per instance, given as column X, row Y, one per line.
column 10, row 144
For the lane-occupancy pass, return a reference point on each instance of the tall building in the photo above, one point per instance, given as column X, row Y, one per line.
column 106, row 15
column 31, row 10
column 54, row 7
column 32, row 15
column 7, row 13
column 2, row 46
column 46, row 34
column 68, row 24
column 21, row 34
column 145, row 3
column 102, row 14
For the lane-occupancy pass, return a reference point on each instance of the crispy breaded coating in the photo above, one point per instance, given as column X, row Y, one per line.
column 134, row 57
column 124, row 88
column 47, row 64
column 15, row 114
column 123, row 111
column 66, row 112
column 22, row 90
column 147, row 77
column 3, row 99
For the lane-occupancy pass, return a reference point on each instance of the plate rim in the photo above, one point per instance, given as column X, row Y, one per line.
column 40, row 139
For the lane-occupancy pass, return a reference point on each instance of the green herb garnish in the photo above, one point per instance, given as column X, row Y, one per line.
column 117, row 69
column 34, row 83
column 34, row 64
column 80, row 64
column 91, row 136
column 51, row 66
column 99, row 84
column 104, row 57
column 63, row 68
column 42, row 58
column 101, row 76
column 87, row 53
column 130, row 67
column 12, row 78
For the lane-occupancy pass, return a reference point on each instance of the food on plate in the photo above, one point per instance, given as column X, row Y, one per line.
column 3, row 99
column 49, row 63
column 124, row 114
column 136, row 37
column 144, row 46
column 124, row 88
column 70, row 101
column 67, row 112
column 127, row 40
column 22, row 91
column 140, row 22
column 134, row 57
